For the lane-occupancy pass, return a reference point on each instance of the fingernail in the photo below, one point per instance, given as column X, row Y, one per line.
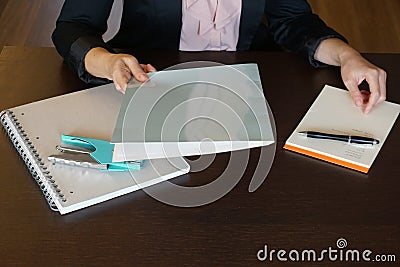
column 143, row 77
column 359, row 102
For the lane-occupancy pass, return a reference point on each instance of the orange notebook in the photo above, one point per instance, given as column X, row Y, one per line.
column 334, row 112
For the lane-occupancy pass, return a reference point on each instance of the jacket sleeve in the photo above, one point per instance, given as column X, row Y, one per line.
column 79, row 28
column 295, row 27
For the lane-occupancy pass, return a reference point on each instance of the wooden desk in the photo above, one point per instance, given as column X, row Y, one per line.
column 303, row 204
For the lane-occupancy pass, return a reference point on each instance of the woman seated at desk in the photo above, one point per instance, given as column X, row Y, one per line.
column 198, row 25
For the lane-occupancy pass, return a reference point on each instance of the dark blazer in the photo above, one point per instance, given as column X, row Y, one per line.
column 156, row 24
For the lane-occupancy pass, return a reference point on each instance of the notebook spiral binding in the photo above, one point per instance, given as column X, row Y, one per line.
column 32, row 159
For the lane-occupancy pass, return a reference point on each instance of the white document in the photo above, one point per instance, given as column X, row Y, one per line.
column 193, row 112
column 334, row 112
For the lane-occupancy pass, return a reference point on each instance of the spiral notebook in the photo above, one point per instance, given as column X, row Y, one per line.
column 35, row 130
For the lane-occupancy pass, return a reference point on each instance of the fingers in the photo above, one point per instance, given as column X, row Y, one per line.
column 117, row 67
column 121, row 79
column 125, row 66
column 148, row 68
column 382, row 85
column 377, row 84
column 136, row 69
column 365, row 94
column 355, row 93
column 354, row 71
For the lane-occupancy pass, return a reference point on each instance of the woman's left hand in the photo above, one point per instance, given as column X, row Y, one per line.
column 354, row 69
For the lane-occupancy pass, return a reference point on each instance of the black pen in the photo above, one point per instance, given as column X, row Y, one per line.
column 350, row 139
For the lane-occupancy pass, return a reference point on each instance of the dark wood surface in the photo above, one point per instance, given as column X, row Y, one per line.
column 303, row 204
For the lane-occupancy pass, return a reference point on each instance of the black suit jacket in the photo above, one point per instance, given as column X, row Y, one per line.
column 156, row 24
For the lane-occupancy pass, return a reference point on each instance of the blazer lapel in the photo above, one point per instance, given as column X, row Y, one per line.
column 250, row 20
column 169, row 12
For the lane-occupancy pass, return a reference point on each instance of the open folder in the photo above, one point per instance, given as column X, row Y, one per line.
column 194, row 111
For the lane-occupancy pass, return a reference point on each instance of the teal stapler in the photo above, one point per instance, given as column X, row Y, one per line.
column 90, row 153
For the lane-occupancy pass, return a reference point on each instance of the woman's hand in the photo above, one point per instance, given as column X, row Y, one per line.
column 116, row 67
column 354, row 69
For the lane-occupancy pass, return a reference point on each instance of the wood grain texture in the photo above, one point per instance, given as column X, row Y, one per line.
column 3, row 4
column 369, row 25
column 17, row 19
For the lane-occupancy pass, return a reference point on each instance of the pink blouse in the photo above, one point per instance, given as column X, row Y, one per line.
column 210, row 25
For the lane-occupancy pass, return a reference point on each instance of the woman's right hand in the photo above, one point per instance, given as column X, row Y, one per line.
column 116, row 67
